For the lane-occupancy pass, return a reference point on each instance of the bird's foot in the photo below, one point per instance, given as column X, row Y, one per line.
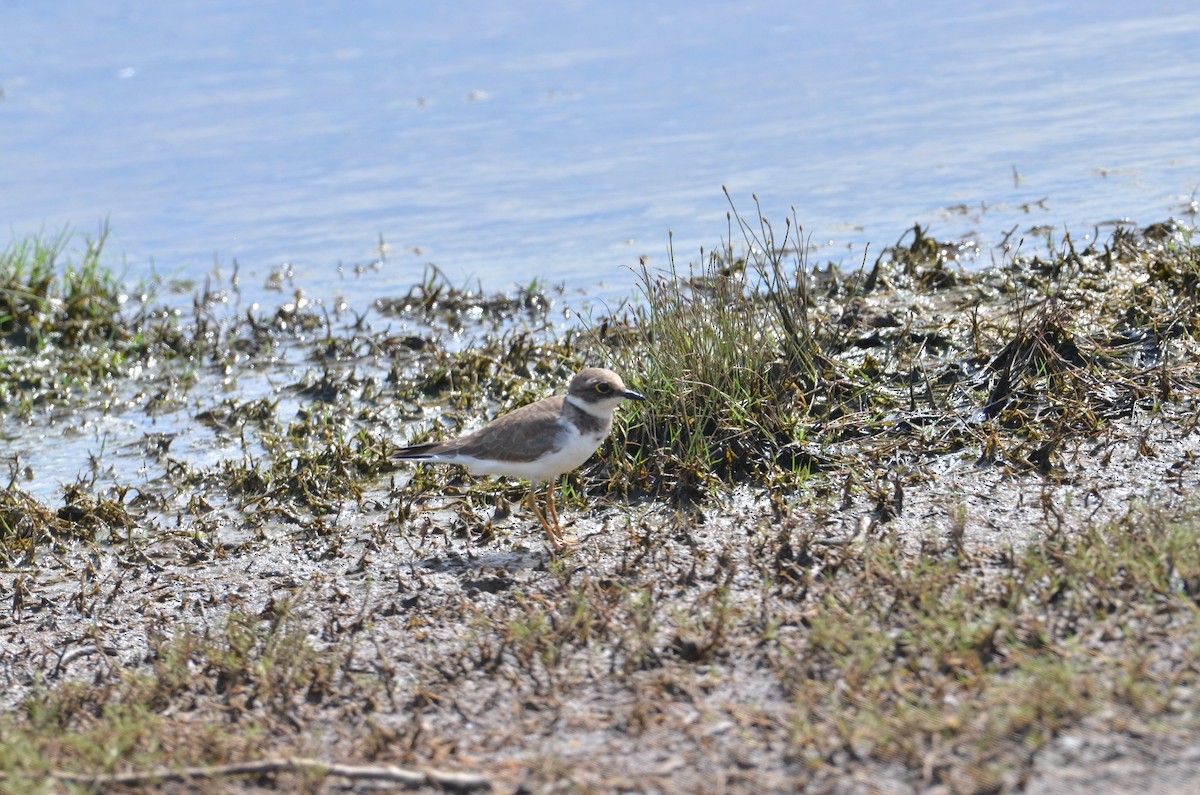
column 563, row 547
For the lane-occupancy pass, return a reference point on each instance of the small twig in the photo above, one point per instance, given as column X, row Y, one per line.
column 457, row 782
column 68, row 657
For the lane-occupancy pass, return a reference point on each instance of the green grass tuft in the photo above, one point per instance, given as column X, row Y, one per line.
column 727, row 355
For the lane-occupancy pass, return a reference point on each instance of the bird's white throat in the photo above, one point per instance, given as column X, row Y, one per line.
column 601, row 409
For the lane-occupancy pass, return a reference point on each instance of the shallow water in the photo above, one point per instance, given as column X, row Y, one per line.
column 563, row 141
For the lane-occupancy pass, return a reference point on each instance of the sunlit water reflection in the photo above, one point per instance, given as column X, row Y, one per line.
column 563, row 141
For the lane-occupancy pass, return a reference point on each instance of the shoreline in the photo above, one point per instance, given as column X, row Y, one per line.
column 932, row 530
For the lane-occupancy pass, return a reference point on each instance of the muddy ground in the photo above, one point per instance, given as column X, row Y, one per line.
column 890, row 618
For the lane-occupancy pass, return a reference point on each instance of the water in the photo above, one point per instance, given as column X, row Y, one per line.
column 563, row 141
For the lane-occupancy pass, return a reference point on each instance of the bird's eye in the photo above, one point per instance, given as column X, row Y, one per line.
column 603, row 388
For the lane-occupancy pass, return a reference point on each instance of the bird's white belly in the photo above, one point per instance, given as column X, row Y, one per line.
column 577, row 449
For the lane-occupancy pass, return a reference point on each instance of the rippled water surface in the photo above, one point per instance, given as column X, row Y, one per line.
column 507, row 142
column 564, row 140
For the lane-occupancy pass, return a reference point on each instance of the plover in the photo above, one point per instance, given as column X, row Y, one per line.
column 538, row 442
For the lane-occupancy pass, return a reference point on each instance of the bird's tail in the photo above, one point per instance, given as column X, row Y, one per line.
column 416, row 452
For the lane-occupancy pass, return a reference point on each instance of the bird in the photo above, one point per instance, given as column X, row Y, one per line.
column 538, row 442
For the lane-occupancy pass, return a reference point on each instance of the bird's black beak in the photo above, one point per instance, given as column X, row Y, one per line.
column 629, row 393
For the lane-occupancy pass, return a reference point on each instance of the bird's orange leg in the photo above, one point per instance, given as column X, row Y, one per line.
column 555, row 538
column 552, row 511
column 554, row 515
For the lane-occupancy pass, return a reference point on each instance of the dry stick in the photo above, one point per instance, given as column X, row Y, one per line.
column 458, row 782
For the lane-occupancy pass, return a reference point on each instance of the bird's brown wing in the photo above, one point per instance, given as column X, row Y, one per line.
column 519, row 436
